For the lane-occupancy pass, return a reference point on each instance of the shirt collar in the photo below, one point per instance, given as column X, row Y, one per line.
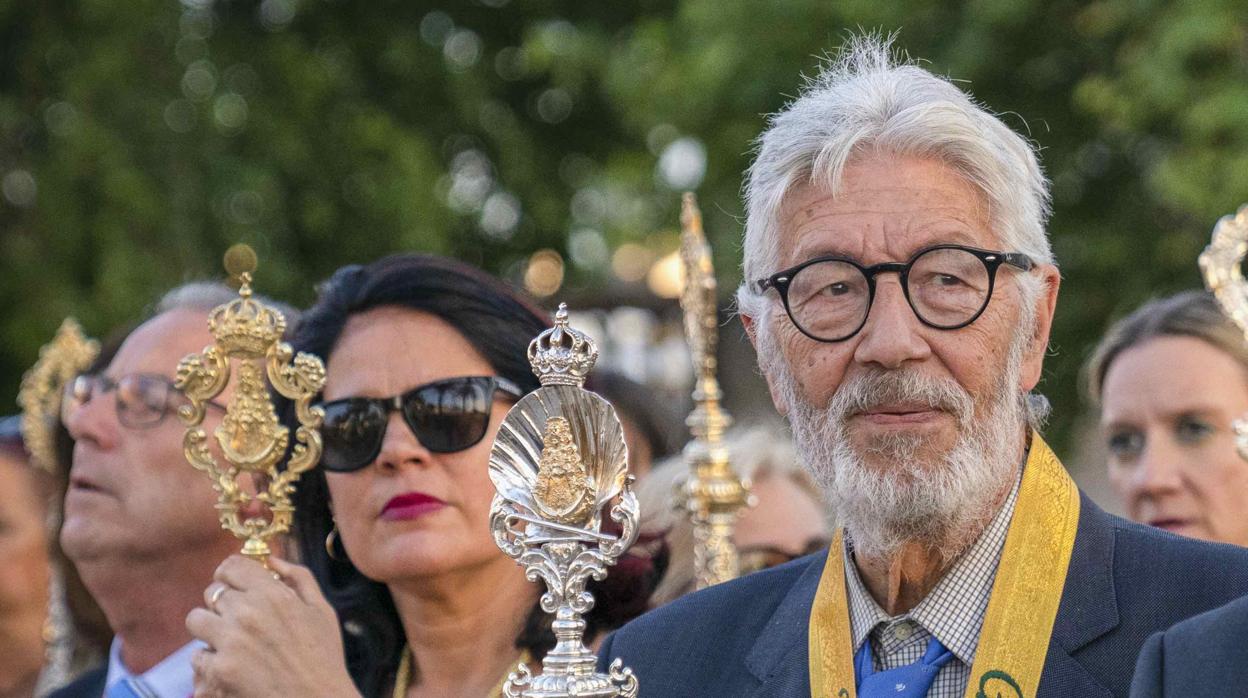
column 173, row 677
column 955, row 608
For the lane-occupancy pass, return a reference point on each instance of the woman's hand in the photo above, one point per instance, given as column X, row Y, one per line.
column 267, row 636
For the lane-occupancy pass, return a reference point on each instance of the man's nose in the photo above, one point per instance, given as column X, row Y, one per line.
column 891, row 336
column 94, row 422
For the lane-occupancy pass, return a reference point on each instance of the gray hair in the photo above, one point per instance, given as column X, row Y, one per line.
column 864, row 99
column 203, row 296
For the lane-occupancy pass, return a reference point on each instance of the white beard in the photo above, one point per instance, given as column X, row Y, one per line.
column 943, row 505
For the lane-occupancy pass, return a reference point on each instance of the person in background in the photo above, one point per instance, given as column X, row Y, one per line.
column 25, row 573
column 88, row 634
column 646, row 418
column 424, row 357
column 140, row 523
column 1171, row 378
column 786, row 521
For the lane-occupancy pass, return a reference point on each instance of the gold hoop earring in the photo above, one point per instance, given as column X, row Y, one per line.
column 331, row 543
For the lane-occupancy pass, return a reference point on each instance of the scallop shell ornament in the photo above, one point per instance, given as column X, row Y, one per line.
column 560, row 452
column 558, row 462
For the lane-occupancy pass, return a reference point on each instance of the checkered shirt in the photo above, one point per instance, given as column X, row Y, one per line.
column 953, row 611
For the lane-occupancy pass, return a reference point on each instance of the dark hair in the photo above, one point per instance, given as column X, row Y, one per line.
column 497, row 321
column 636, row 403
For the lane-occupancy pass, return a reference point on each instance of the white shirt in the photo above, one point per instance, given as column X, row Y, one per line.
column 173, row 677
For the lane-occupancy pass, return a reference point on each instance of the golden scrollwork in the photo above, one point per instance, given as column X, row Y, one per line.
column 69, row 353
column 712, row 495
column 247, row 344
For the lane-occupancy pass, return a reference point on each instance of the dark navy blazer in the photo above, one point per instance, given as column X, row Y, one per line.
column 748, row 637
column 89, row 685
column 1203, row 656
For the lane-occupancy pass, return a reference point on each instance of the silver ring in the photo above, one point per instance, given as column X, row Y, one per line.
column 215, row 597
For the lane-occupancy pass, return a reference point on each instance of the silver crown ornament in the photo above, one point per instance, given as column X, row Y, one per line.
column 558, row 464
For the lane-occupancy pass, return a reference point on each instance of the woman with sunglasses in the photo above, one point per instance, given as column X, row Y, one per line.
column 424, row 356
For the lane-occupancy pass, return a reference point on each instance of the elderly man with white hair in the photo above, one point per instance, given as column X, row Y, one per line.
column 899, row 291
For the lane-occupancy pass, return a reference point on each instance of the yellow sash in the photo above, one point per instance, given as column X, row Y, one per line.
column 1025, row 595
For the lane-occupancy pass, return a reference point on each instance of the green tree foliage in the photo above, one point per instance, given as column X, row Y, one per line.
column 138, row 140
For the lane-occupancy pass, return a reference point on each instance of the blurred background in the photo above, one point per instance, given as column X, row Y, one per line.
column 548, row 142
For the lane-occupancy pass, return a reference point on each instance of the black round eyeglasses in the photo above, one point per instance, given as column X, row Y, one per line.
column 947, row 286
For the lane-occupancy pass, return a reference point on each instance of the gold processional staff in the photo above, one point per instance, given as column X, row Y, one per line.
column 712, row 495
column 43, row 389
column 248, row 345
column 1221, row 264
column 558, row 464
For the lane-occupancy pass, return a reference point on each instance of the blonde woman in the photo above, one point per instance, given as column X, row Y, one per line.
column 1170, row 379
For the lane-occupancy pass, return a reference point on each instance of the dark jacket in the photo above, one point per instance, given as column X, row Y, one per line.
column 1202, row 656
column 89, row 685
column 748, row 637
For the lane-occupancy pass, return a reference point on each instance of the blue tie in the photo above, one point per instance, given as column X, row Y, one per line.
column 129, row 688
column 909, row 681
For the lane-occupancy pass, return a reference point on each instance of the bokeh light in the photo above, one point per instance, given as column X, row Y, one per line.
column 544, row 274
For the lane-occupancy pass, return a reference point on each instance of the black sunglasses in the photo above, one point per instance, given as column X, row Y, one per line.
column 445, row 416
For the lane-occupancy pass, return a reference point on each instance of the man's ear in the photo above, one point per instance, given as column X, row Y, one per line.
column 751, row 331
column 1046, row 306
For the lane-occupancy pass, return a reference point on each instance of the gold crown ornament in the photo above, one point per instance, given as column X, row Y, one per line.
column 558, row 464
column 245, row 324
column 43, row 388
column 251, row 439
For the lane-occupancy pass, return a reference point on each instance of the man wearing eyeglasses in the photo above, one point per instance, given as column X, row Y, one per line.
column 139, row 521
column 899, row 290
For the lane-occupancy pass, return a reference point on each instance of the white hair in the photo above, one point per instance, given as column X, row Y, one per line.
column 203, row 296
column 866, row 98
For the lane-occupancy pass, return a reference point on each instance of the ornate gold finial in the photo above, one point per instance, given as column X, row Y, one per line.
column 712, row 495
column 69, row 353
column 1221, row 265
column 698, row 297
column 564, row 491
column 247, row 337
column 562, row 355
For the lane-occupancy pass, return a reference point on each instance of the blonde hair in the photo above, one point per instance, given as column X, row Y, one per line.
column 756, row 453
column 1193, row 314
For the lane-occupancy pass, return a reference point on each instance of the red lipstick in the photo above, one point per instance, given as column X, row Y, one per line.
column 410, row 505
